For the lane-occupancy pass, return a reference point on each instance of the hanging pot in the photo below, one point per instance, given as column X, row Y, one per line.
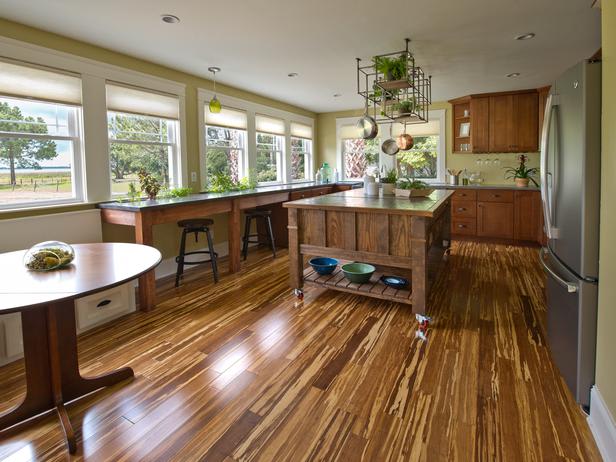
column 404, row 141
column 389, row 146
column 368, row 128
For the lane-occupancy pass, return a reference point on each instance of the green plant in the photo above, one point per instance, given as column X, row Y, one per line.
column 409, row 183
column 133, row 194
column 390, row 177
column 222, row 182
column 391, row 68
column 149, row 184
column 180, row 192
column 522, row 171
column 405, row 107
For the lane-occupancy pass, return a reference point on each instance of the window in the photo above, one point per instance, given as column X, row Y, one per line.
column 40, row 141
column 301, row 152
column 225, row 143
column 420, row 160
column 143, row 136
column 270, row 152
column 359, row 156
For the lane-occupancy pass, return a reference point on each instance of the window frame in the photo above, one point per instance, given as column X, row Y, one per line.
column 308, row 160
column 242, row 161
column 280, row 156
column 389, row 162
column 75, row 123
column 175, row 176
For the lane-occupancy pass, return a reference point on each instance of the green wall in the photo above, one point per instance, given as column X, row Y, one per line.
column 326, row 146
column 166, row 237
column 606, row 340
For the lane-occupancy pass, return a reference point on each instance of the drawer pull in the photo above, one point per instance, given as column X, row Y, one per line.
column 103, row 303
column 461, row 209
column 461, row 226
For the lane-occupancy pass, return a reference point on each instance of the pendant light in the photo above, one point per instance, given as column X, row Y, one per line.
column 215, row 106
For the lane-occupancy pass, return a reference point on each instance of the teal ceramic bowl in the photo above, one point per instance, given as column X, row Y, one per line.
column 358, row 272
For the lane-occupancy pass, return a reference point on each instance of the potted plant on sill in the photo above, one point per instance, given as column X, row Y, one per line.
column 522, row 175
column 388, row 182
column 149, row 184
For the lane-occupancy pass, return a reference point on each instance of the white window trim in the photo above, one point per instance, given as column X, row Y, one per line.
column 203, row 96
column 77, row 166
column 94, row 75
column 389, row 161
column 243, row 158
column 308, row 163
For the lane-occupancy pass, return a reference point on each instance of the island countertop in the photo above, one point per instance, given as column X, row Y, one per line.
column 355, row 199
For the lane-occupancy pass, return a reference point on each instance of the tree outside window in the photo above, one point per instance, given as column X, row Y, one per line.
column 420, row 160
column 359, row 155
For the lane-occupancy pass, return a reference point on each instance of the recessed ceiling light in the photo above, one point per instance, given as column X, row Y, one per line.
column 514, row 74
column 337, row 95
column 526, row 36
column 170, row 18
column 292, row 74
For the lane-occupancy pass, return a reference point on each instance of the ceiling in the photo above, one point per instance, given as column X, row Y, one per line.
column 468, row 46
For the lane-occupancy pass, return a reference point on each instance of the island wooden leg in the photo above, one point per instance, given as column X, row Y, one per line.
column 147, row 282
column 235, row 219
column 296, row 270
column 419, row 264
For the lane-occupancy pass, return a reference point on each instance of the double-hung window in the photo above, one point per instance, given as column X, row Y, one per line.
column 270, row 149
column 301, row 152
column 40, row 136
column 358, row 155
column 143, row 136
column 225, row 143
column 426, row 159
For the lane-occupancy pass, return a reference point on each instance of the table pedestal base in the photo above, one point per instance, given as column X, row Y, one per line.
column 52, row 367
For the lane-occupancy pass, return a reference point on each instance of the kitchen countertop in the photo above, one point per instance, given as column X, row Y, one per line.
column 136, row 206
column 512, row 186
column 355, row 199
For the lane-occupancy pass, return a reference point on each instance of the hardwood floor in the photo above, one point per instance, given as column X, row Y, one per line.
column 241, row 370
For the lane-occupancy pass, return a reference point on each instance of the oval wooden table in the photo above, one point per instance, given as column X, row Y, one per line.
column 46, row 301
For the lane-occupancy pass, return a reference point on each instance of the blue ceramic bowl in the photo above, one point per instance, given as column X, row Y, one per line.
column 324, row 265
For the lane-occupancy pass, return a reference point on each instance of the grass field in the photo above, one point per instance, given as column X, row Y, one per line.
column 35, row 186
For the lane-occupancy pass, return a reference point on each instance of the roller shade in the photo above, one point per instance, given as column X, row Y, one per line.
column 228, row 118
column 34, row 82
column 349, row 132
column 301, row 130
column 271, row 125
column 121, row 98
column 429, row 128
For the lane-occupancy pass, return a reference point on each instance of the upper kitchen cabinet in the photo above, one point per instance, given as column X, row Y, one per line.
column 497, row 122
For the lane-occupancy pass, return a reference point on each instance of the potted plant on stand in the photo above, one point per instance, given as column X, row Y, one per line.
column 522, row 175
column 388, row 182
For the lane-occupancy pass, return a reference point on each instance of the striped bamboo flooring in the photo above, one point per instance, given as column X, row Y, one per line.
column 242, row 371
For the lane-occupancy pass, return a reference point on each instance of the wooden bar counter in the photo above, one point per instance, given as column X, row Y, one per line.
column 399, row 234
column 143, row 215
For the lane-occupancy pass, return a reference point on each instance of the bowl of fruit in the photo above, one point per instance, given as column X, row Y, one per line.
column 48, row 256
column 413, row 188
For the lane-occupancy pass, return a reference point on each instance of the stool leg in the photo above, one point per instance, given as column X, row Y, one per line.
column 210, row 247
column 180, row 258
column 270, row 235
column 246, row 236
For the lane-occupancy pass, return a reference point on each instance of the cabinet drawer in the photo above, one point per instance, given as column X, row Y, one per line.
column 464, row 226
column 495, row 195
column 297, row 195
column 465, row 195
column 101, row 307
column 322, row 191
column 464, row 209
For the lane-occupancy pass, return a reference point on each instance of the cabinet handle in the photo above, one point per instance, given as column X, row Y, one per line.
column 461, row 226
column 103, row 303
column 495, row 195
column 461, row 209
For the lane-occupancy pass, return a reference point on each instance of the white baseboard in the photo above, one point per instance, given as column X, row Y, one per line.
column 602, row 426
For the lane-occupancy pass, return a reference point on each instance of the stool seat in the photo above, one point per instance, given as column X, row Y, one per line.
column 195, row 222
column 258, row 213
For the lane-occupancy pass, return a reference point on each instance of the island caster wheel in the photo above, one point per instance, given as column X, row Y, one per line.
column 424, row 322
column 299, row 293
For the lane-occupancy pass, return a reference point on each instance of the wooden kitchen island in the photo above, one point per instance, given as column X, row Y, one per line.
column 404, row 237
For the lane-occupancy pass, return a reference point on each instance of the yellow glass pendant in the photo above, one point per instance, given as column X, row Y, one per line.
column 215, row 105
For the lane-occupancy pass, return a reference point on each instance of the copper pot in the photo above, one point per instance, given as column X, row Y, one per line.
column 404, row 142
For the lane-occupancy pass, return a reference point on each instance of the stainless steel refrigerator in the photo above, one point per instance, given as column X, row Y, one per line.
column 570, row 188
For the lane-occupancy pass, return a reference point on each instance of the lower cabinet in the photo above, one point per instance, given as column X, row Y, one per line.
column 498, row 214
column 495, row 219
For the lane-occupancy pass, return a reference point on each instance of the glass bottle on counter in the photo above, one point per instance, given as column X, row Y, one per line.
column 318, row 178
column 327, row 173
column 465, row 177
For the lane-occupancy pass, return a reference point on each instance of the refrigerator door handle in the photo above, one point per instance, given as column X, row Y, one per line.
column 571, row 288
column 550, row 232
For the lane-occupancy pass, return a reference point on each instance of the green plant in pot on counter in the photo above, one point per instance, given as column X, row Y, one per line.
column 388, row 182
column 522, row 174
column 149, row 184
column 409, row 187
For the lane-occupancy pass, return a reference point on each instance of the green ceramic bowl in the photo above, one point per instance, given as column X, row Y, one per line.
column 358, row 272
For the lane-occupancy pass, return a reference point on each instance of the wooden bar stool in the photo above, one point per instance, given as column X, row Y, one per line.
column 258, row 214
column 196, row 225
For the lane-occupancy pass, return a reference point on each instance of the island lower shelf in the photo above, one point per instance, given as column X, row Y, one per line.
column 373, row 288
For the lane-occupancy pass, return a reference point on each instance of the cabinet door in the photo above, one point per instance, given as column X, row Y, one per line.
column 501, row 138
column 480, row 124
column 527, row 216
column 495, row 219
column 526, row 120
